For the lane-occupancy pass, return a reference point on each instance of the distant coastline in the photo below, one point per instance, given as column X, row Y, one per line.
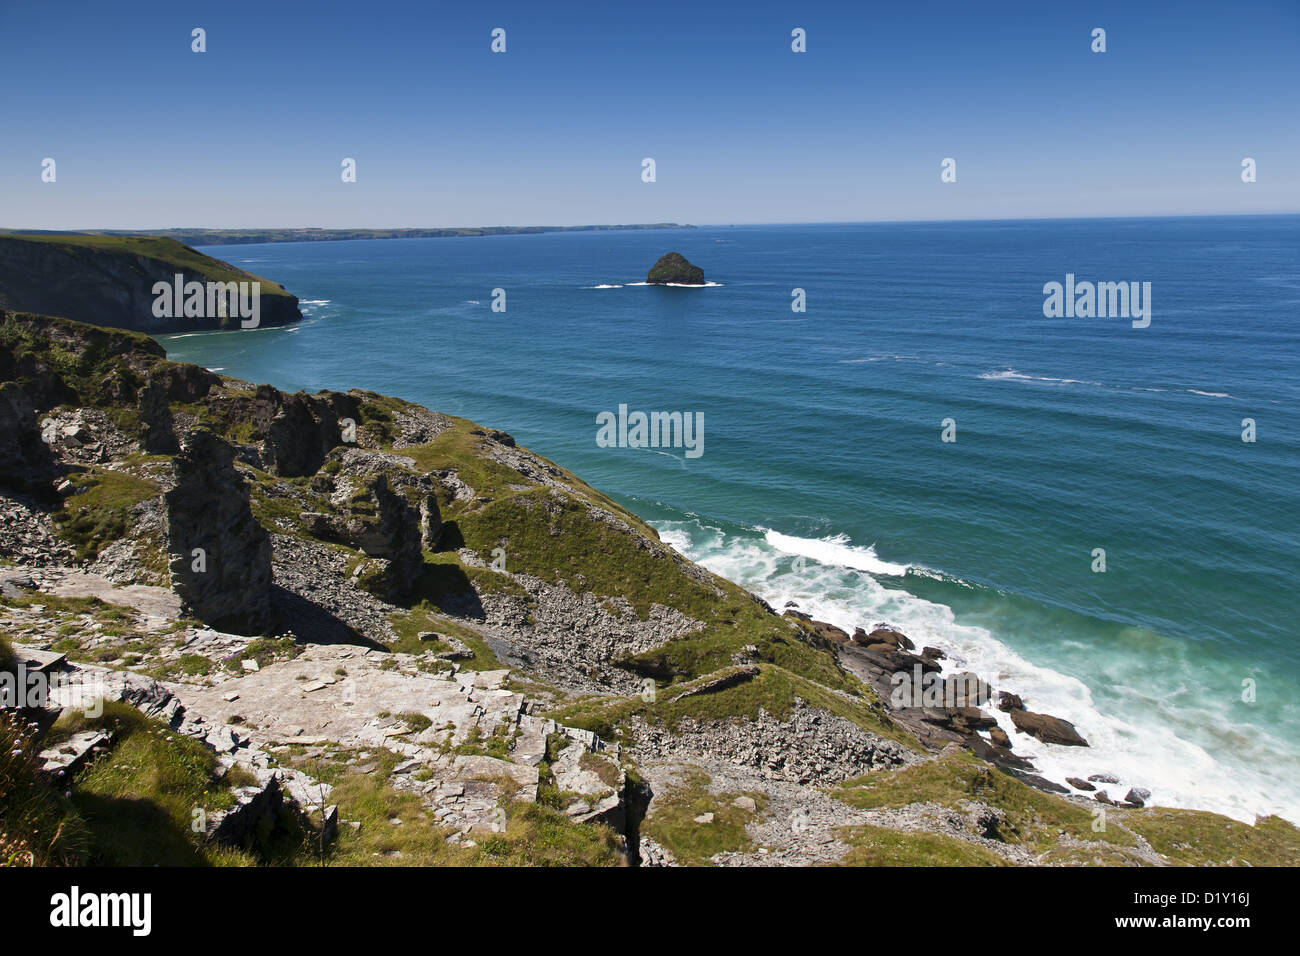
column 236, row 237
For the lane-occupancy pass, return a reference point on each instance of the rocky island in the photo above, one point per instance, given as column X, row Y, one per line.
column 674, row 269
column 353, row 630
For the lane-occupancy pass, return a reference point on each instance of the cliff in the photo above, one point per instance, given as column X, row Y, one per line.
column 110, row 280
column 464, row 637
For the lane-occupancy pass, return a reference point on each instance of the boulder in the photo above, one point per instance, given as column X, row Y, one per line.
column 1078, row 784
column 1137, row 797
column 966, row 690
column 1048, row 729
column 1008, row 702
column 963, row 720
column 882, row 634
column 889, row 658
column 830, row 632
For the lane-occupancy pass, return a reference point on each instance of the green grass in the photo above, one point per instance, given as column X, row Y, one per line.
column 554, row 536
column 1034, row 818
column 534, row 835
column 426, row 617
column 74, row 364
column 265, row 651
column 671, row 822
column 138, row 801
column 118, row 635
column 1198, row 838
column 38, row 825
column 101, row 510
column 175, row 254
column 66, row 608
column 774, row 691
column 446, row 576
column 415, row 720
column 1037, row 820
column 878, row 846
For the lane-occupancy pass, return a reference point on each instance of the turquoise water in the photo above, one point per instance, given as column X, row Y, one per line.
column 824, row 480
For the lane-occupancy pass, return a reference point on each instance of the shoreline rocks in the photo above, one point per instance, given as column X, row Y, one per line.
column 1048, row 729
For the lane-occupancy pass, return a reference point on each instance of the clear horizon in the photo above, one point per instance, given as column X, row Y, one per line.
column 682, row 225
column 743, row 129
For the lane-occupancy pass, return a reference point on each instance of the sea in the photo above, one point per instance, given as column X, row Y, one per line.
column 1098, row 513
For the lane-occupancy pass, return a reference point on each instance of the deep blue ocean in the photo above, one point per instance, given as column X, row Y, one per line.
column 824, row 479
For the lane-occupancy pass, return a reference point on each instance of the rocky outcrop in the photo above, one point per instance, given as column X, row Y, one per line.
column 219, row 556
column 167, row 384
column 298, row 430
column 724, row 681
column 22, row 451
column 110, row 280
column 108, row 372
column 823, row 630
column 673, row 269
column 1048, row 729
column 388, row 531
column 882, row 634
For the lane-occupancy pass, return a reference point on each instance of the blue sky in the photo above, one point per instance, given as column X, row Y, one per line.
column 148, row 134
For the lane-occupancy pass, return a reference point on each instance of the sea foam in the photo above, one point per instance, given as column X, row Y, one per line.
column 837, row 583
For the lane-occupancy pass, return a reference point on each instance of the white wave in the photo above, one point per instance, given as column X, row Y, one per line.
column 888, row 358
column 604, row 286
column 313, row 301
column 835, row 551
column 1011, row 374
column 1149, row 754
column 683, row 285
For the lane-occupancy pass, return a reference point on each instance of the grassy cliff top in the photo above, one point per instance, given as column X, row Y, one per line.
column 161, row 248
